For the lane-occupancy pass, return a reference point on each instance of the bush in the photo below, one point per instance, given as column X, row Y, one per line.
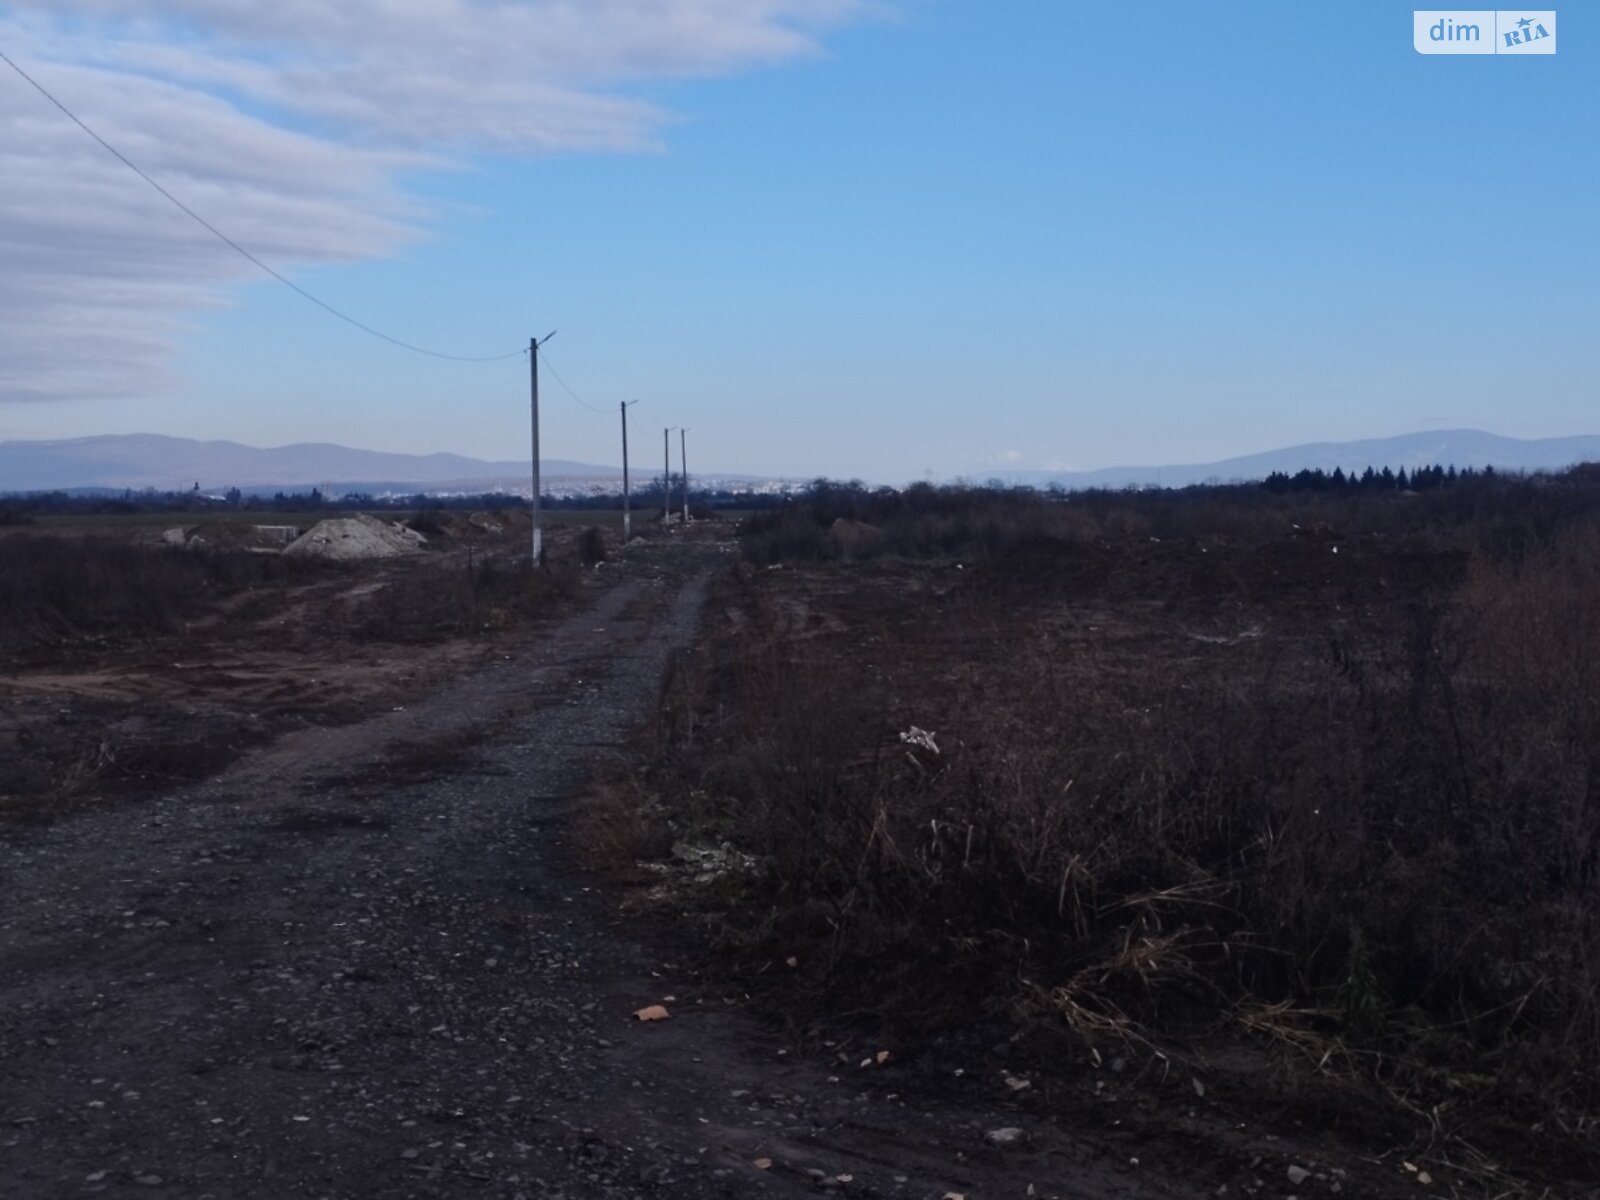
column 431, row 601
column 427, row 523
column 591, row 546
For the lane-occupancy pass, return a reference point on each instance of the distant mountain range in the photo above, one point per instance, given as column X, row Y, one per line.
column 1455, row 447
column 146, row 460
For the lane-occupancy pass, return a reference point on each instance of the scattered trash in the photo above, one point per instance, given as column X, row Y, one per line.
column 1199, row 1089
column 653, row 1012
column 920, row 737
column 1006, row 1135
column 713, row 862
column 1219, row 639
column 762, row 1164
column 1018, row 1085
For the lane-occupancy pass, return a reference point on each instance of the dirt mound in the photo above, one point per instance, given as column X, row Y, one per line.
column 356, row 537
column 236, row 535
column 480, row 526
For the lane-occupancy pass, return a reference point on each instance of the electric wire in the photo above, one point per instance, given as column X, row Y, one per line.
column 228, row 241
column 545, row 358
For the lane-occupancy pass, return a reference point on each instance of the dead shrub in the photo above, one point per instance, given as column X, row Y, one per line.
column 427, row 602
column 617, row 826
column 1371, row 803
column 57, row 589
column 591, row 546
column 429, row 522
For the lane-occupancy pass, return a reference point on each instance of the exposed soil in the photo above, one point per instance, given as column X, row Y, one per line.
column 89, row 716
column 357, row 960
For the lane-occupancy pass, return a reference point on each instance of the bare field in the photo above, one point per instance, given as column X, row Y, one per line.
column 1190, row 842
column 127, row 667
column 1298, row 795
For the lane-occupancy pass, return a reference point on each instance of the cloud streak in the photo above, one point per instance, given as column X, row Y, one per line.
column 287, row 125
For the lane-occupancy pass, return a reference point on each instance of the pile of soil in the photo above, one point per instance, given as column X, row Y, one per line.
column 359, row 536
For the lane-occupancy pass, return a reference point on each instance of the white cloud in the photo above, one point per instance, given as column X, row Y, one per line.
column 287, row 122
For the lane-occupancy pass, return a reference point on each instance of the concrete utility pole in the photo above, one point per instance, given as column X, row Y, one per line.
column 627, row 518
column 533, row 371
column 683, row 458
column 666, row 475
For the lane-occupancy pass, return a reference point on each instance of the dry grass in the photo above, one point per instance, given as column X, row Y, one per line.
column 1191, row 768
column 181, row 631
column 55, row 589
column 425, row 600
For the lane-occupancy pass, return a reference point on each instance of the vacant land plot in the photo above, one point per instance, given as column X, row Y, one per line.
column 1226, row 778
column 127, row 665
column 1109, row 846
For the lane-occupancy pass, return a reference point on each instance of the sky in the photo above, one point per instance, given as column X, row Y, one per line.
column 882, row 239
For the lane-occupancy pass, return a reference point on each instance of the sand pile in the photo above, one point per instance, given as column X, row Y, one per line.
column 359, row 536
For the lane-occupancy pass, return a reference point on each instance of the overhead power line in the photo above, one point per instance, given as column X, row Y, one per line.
column 581, row 402
column 228, row 241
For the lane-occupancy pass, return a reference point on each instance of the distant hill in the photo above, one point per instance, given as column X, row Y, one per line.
column 147, row 460
column 1456, row 447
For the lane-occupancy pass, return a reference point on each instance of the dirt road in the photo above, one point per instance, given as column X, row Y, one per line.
column 360, row 963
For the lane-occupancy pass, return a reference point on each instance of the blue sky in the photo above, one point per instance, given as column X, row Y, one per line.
column 889, row 240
